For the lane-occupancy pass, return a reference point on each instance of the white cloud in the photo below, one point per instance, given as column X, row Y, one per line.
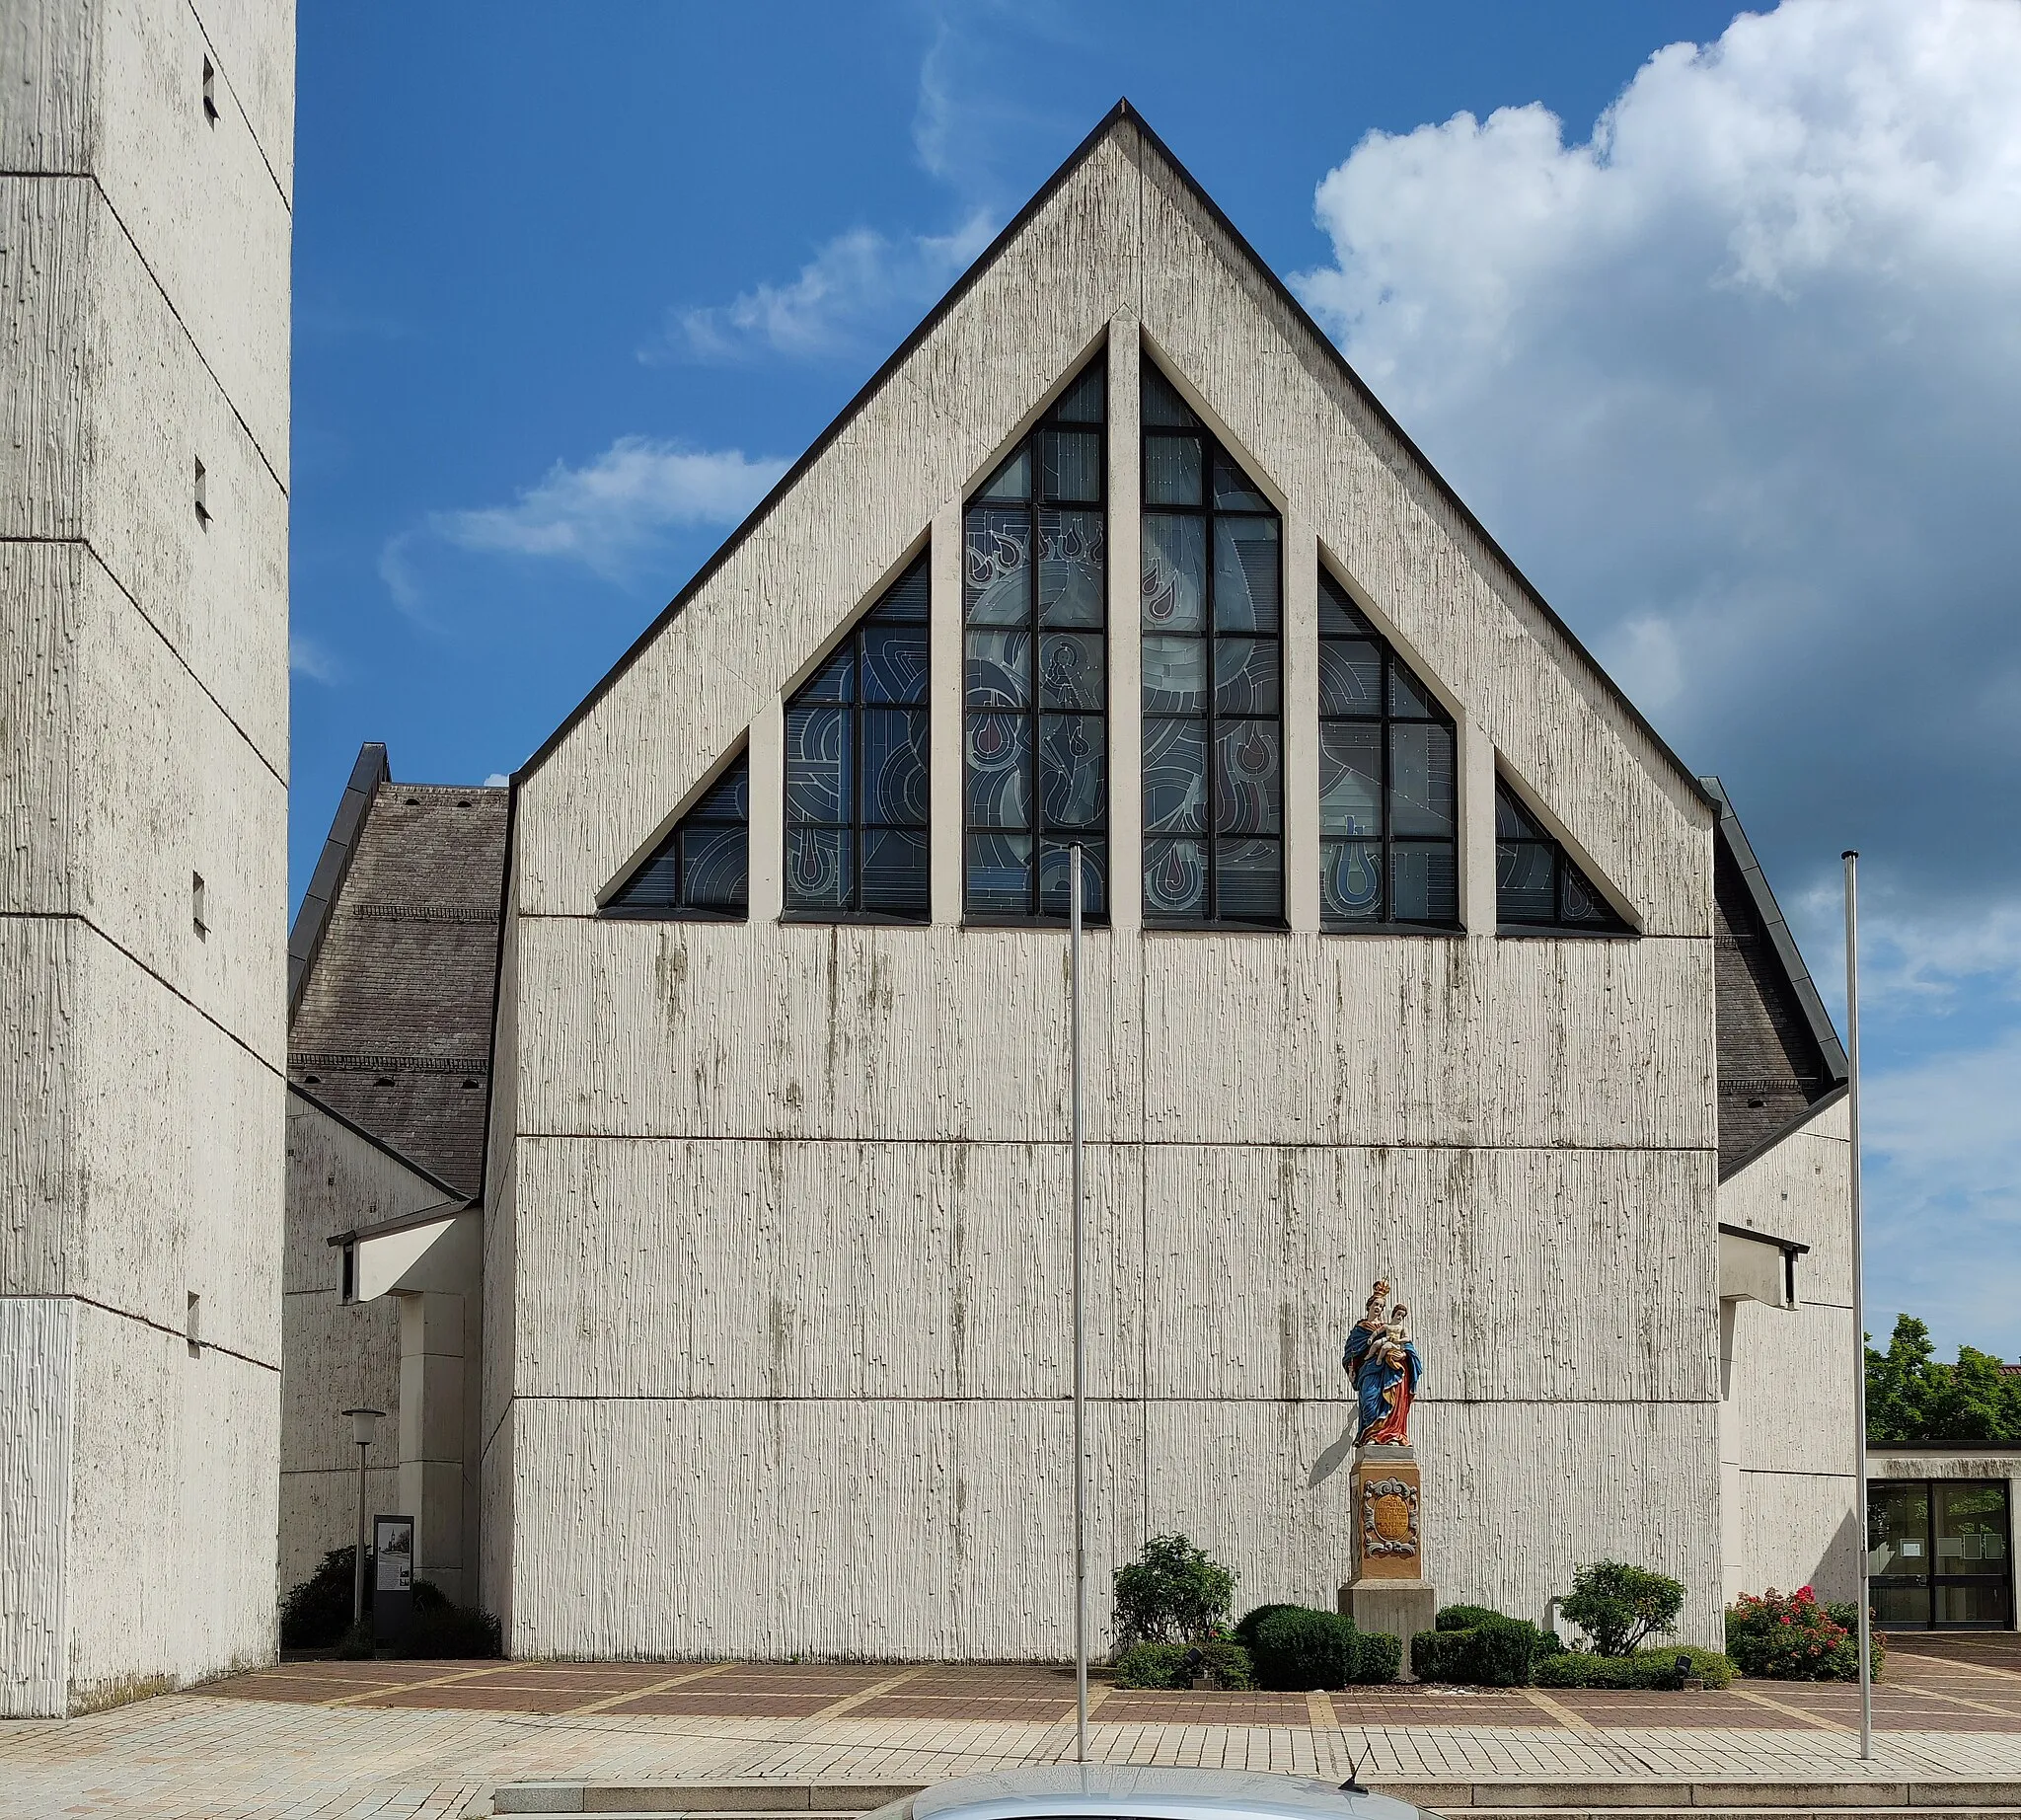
column 608, row 514
column 496, row 781
column 1736, row 379
column 853, row 286
column 307, row 657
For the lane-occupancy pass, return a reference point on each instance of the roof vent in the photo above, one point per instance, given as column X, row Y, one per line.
column 385, row 1079
column 311, row 1080
column 470, row 1084
column 412, row 803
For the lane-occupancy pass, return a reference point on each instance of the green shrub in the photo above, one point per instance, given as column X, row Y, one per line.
column 1149, row 1665
column 1491, row 1651
column 1618, row 1606
column 1792, row 1636
column 1171, row 1593
column 1164, row 1665
column 1299, row 1650
column 356, row 1644
column 442, row 1629
column 1462, row 1616
column 1378, row 1656
column 1647, row 1668
column 316, row 1614
column 1245, row 1629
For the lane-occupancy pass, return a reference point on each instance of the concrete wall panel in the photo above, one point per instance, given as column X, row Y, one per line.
column 173, row 1525
column 107, row 407
column 37, row 1369
column 1796, row 1530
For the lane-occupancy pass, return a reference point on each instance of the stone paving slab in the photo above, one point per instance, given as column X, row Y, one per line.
column 424, row 1741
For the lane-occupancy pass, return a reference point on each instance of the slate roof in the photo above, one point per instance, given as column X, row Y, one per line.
column 1779, row 1058
column 396, row 965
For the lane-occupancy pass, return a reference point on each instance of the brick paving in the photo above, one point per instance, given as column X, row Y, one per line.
column 315, row 1740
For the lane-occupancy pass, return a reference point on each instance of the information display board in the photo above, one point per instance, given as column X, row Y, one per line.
column 393, row 1578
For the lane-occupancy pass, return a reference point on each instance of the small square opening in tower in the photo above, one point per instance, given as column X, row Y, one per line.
column 203, row 495
column 198, row 916
column 209, row 92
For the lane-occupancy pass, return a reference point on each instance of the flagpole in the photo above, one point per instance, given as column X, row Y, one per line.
column 1080, row 1331
column 1861, row 1539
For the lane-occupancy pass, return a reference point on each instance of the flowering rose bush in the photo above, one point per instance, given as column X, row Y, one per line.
column 1791, row 1636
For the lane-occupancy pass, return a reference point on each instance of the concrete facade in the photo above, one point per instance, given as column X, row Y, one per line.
column 775, row 1267
column 144, row 333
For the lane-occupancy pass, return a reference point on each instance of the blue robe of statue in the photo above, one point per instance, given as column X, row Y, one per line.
column 1383, row 1389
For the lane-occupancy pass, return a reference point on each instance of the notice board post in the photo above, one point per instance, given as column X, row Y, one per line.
column 393, row 1579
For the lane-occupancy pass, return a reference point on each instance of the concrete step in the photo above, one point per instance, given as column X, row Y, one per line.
column 1568, row 1800
column 733, row 1800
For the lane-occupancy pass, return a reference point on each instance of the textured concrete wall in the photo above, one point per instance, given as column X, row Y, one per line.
column 1791, row 1385
column 335, row 1356
column 777, row 1273
column 143, row 680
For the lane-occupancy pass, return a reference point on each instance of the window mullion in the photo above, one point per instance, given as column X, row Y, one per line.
column 1034, row 888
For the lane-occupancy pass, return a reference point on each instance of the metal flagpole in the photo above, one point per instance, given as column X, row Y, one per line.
column 1861, row 1539
column 1079, row 1334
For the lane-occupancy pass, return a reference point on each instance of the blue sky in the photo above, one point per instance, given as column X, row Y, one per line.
column 1717, row 339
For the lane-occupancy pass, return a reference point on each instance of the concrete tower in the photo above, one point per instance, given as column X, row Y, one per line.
column 145, row 219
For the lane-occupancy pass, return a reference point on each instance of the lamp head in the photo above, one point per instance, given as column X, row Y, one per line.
column 364, row 1424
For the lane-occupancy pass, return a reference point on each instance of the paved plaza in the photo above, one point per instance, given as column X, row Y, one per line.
column 424, row 1741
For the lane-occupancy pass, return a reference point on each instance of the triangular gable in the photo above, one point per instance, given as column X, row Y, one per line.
column 1781, row 1061
column 1120, row 233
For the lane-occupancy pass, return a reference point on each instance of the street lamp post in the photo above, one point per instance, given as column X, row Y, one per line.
column 364, row 1422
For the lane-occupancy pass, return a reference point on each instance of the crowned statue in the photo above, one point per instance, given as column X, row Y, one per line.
column 1384, row 1363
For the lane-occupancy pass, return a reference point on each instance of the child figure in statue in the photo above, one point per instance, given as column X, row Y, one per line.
column 1382, row 1361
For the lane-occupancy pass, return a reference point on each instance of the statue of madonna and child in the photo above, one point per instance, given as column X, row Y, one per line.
column 1384, row 1366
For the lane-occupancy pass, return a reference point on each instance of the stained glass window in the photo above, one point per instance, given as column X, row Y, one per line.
column 1388, row 783
column 1213, row 733
column 1035, row 668
column 1538, row 884
column 702, row 868
column 856, row 770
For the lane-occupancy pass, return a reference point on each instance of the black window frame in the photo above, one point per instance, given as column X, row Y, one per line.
column 1212, row 837
column 919, row 570
column 1035, row 504
column 1565, row 872
column 704, row 813
column 1359, row 629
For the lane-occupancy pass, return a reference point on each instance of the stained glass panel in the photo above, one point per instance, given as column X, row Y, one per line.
column 1351, row 779
column 712, row 864
column 1072, row 565
column 1174, row 573
column 1350, row 677
column 1171, row 471
column 1175, row 675
column 1538, row 883
column 1526, row 890
column 999, row 771
column 997, row 566
column 857, row 756
column 1175, row 878
column 819, row 765
column 1036, row 736
column 1175, row 777
column 1072, row 771
column 1351, row 881
column 1013, row 481
column 1161, row 406
column 1424, row 883
column 1070, row 465
column 1233, row 491
column 1056, row 872
column 1339, row 617
column 1249, row 777
column 1248, row 882
column 1072, row 671
column 1245, row 676
column 999, row 670
column 1246, row 574
column 1423, row 786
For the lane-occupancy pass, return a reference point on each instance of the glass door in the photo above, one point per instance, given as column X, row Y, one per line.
column 1971, row 1576
column 1939, row 1554
column 1898, row 1553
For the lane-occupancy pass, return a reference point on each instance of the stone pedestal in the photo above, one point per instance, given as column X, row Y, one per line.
column 1389, row 1591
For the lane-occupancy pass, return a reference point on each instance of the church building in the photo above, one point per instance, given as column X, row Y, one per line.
column 679, row 1141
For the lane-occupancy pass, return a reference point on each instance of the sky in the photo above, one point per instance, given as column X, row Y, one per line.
column 1709, row 317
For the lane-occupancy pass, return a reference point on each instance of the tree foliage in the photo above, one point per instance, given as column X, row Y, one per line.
column 1618, row 1606
column 1914, row 1396
column 1172, row 1593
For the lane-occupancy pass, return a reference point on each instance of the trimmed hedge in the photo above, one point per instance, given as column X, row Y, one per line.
column 1477, row 1648
column 1298, row 1648
column 1646, row 1668
column 1245, row 1630
column 1162, row 1665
